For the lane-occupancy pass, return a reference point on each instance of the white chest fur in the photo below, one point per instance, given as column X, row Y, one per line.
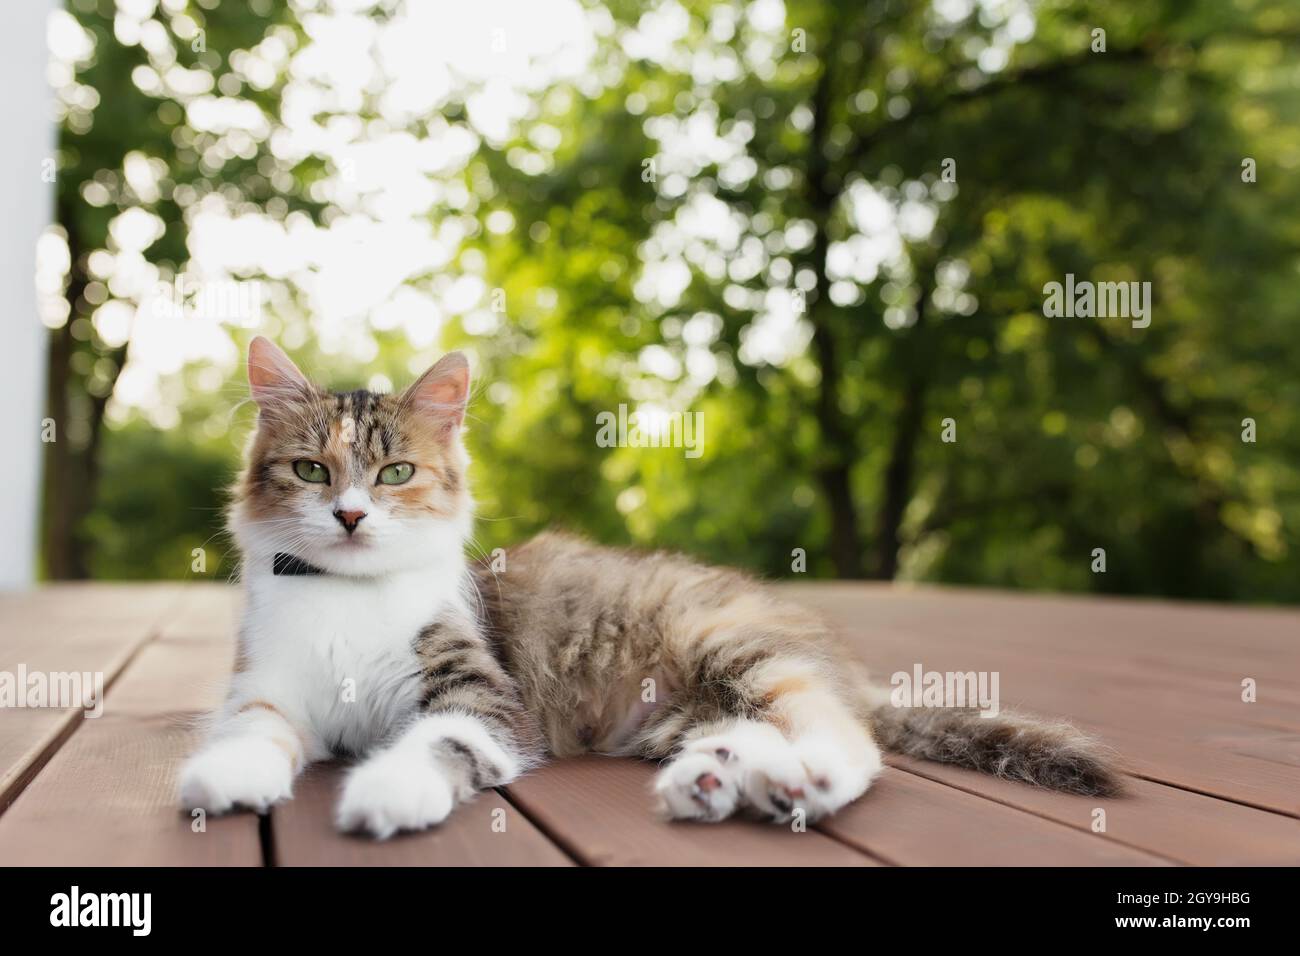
column 336, row 654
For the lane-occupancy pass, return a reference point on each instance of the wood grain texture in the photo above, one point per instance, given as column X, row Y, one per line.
column 600, row 810
column 1178, row 825
column 108, row 796
column 1184, row 636
column 91, row 628
column 488, row 831
column 206, row 610
column 177, row 678
column 910, row 821
column 1159, row 682
column 108, row 799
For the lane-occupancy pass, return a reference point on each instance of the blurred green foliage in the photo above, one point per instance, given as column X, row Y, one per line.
column 1072, row 434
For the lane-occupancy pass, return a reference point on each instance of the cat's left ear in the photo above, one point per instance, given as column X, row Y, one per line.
column 442, row 393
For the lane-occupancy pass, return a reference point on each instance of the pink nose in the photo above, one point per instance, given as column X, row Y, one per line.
column 349, row 519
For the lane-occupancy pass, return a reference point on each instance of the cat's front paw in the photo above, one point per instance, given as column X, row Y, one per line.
column 250, row 772
column 395, row 791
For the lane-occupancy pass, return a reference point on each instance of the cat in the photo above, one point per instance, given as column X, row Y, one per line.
column 367, row 634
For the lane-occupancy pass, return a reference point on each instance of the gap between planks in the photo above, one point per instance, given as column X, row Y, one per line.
column 106, row 796
column 557, row 840
column 72, row 718
column 1235, row 801
column 917, row 772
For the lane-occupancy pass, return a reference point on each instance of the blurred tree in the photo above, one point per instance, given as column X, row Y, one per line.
column 1121, row 165
column 128, row 143
column 828, row 228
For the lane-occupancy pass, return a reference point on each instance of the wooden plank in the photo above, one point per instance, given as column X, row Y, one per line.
column 182, row 679
column 1056, row 658
column 76, row 626
column 1237, row 760
column 1149, row 687
column 1125, row 708
column 108, row 796
column 1209, row 697
column 31, row 616
column 599, row 809
column 91, row 628
column 1181, row 637
column 488, row 831
column 908, row 820
column 209, row 610
column 1182, row 826
column 1204, row 767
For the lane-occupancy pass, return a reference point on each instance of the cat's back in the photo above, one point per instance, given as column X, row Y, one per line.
column 562, row 581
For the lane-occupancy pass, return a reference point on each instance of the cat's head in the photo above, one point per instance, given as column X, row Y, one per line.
column 353, row 483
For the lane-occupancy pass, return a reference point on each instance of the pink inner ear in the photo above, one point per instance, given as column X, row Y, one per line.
column 272, row 374
column 443, row 391
column 447, row 391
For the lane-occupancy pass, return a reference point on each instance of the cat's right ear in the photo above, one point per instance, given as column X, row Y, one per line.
column 442, row 392
column 272, row 376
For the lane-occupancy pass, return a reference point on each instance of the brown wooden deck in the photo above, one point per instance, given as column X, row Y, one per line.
column 1213, row 780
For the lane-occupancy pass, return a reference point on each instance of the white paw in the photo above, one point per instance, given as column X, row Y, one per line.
column 697, row 786
column 395, row 791
column 251, row 772
column 752, row 767
column 837, row 778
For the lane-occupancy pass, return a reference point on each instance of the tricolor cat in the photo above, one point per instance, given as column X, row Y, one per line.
column 367, row 634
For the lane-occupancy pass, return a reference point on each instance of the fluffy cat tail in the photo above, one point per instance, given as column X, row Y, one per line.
column 1058, row 756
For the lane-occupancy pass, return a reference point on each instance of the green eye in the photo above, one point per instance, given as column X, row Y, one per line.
column 396, row 474
column 312, row 471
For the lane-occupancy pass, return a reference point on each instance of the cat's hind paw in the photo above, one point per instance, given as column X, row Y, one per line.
column 750, row 767
column 699, row 785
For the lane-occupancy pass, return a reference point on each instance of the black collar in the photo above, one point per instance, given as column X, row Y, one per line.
column 288, row 565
